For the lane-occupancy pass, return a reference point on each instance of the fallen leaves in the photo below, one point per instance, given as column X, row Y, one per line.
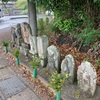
column 36, row 84
column 79, row 57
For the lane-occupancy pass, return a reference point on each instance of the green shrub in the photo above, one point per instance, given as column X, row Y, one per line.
column 66, row 25
column 87, row 58
column 16, row 53
column 89, row 36
column 35, row 63
column 46, row 21
column 57, row 81
column 5, row 44
column 98, row 63
column 41, row 26
column 44, row 26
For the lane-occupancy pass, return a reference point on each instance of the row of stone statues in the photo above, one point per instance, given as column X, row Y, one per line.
column 23, row 39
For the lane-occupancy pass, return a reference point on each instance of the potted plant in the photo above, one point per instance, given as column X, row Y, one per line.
column 35, row 64
column 5, row 44
column 56, row 82
column 16, row 54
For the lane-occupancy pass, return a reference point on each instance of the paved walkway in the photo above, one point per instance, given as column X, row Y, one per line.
column 12, row 86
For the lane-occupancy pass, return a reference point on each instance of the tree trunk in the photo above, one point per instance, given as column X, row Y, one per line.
column 32, row 17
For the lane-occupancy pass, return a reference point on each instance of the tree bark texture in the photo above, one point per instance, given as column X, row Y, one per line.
column 32, row 16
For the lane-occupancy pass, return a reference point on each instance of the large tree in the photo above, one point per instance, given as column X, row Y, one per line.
column 32, row 16
column 71, row 16
column 79, row 18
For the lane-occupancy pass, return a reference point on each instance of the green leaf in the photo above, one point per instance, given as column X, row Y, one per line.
column 35, row 63
column 5, row 43
column 95, row 1
column 57, row 81
column 16, row 53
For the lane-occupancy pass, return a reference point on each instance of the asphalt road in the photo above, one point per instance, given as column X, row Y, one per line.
column 9, row 21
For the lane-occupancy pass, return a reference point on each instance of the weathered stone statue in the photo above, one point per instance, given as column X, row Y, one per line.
column 19, row 38
column 13, row 35
column 68, row 67
column 42, row 45
column 29, row 39
column 18, row 31
column 33, row 45
column 53, row 58
column 87, row 76
column 26, row 32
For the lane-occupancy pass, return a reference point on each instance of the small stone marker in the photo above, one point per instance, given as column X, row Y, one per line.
column 26, row 32
column 29, row 38
column 18, row 31
column 53, row 57
column 18, row 36
column 13, row 34
column 24, row 48
column 33, row 44
column 68, row 67
column 42, row 44
column 86, row 76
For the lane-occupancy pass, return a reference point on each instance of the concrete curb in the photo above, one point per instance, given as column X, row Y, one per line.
column 17, row 18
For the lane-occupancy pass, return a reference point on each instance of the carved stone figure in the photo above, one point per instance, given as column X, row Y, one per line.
column 42, row 45
column 26, row 32
column 87, row 76
column 13, row 34
column 33, row 44
column 18, row 39
column 53, row 57
column 68, row 67
column 18, row 31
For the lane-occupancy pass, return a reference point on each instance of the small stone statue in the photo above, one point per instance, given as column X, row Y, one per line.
column 19, row 38
column 18, row 31
column 13, row 34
